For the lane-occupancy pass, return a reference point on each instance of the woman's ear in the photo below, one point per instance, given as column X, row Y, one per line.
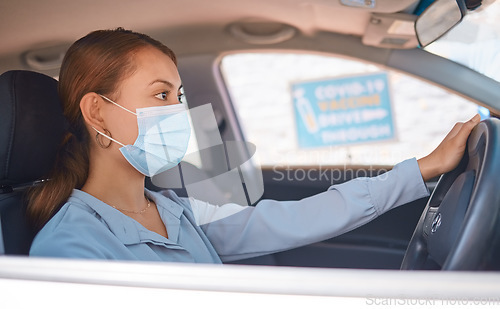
column 91, row 107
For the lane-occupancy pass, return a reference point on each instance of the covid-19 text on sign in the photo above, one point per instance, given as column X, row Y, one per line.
column 340, row 111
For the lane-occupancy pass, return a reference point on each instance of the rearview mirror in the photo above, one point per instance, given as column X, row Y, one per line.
column 439, row 17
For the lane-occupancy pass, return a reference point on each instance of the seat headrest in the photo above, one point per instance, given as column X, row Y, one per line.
column 31, row 126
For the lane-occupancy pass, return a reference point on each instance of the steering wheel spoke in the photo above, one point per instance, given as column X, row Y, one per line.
column 431, row 221
column 449, row 217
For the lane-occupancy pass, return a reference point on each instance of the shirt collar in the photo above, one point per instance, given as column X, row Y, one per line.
column 165, row 203
column 128, row 230
column 170, row 213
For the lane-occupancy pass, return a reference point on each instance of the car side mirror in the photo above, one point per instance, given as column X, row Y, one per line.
column 437, row 19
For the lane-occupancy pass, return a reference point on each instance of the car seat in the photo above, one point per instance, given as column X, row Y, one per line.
column 31, row 128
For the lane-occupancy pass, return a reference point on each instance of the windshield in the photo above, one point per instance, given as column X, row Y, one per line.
column 475, row 42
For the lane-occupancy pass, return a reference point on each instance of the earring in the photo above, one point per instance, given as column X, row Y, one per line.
column 99, row 141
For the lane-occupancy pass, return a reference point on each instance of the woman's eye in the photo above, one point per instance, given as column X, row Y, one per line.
column 180, row 97
column 162, row 95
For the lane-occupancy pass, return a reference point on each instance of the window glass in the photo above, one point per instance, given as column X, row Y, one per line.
column 261, row 84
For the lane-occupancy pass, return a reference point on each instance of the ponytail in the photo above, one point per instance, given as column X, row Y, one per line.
column 70, row 171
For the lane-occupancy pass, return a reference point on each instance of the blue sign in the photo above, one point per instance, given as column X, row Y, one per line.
column 343, row 111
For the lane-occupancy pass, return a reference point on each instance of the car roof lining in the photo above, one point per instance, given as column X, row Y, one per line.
column 41, row 22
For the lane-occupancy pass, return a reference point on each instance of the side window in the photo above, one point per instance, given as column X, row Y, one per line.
column 267, row 90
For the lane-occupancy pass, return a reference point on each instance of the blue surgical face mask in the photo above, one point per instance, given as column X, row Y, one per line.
column 162, row 141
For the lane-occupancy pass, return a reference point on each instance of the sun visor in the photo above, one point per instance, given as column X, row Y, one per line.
column 391, row 31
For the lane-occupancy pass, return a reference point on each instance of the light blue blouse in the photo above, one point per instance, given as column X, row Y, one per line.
column 85, row 227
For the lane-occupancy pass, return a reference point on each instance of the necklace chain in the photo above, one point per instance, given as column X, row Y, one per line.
column 135, row 212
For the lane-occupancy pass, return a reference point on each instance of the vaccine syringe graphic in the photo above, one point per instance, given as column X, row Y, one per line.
column 305, row 111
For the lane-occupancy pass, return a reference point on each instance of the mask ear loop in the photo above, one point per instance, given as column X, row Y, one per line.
column 126, row 109
column 111, row 101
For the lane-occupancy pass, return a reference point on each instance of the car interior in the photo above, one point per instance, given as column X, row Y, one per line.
column 32, row 123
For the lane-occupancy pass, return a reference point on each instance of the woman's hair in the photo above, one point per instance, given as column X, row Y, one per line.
column 96, row 63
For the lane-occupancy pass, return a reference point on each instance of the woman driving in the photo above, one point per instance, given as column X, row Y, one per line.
column 121, row 95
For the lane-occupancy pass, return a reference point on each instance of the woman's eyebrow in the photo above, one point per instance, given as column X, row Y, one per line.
column 169, row 84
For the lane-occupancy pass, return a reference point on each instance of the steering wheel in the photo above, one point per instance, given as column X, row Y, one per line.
column 460, row 226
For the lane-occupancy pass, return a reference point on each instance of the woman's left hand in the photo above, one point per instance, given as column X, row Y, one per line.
column 449, row 152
